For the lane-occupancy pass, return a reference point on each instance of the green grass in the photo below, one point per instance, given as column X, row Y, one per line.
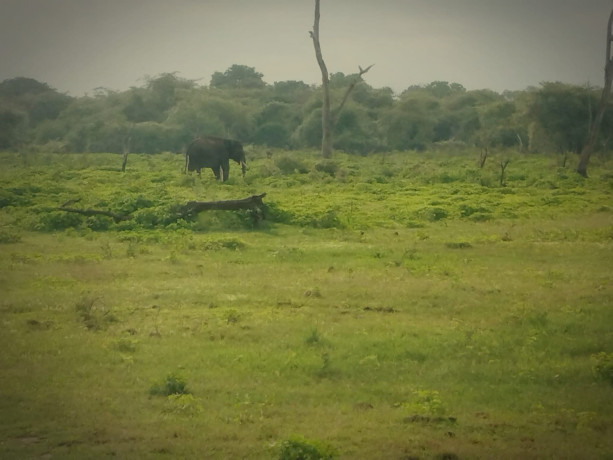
column 407, row 306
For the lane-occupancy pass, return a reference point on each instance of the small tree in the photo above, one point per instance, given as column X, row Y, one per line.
column 328, row 118
column 604, row 98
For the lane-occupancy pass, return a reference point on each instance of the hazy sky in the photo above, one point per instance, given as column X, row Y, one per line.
column 78, row 45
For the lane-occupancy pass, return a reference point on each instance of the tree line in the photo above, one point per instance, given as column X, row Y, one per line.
column 167, row 112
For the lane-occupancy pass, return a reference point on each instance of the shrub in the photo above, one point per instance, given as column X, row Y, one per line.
column 275, row 214
column 314, row 338
column 289, row 165
column 93, row 318
column 327, row 218
column 327, row 166
column 224, row 243
column 480, row 217
column 125, row 345
column 50, row 221
column 433, row 214
column 299, row 448
column 7, row 237
column 458, row 245
column 13, row 197
column 603, row 366
column 426, row 402
column 130, row 204
column 172, row 385
column 152, row 217
column 220, row 220
column 183, row 404
column 98, row 223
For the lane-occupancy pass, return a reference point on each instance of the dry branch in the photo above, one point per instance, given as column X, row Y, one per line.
column 357, row 80
column 93, row 212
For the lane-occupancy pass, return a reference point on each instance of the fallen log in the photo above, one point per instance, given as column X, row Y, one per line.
column 253, row 203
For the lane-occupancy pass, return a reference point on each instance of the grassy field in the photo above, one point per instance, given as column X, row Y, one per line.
column 394, row 306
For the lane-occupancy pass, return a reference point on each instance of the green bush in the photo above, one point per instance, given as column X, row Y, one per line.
column 98, row 223
column 152, row 217
column 276, row 214
column 49, row 221
column 7, row 237
column 323, row 219
column 242, row 219
column 432, row 214
column 290, row 165
column 327, row 166
column 130, row 204
column 603, row 366
column 183, row 404
column 224, row 243
column 14, row 197
column 299, row 448
column 172, row 385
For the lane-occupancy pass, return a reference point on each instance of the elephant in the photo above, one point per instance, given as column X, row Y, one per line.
column 214, row 153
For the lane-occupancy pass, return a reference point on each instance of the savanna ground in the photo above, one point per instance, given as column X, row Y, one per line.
column 390, row 307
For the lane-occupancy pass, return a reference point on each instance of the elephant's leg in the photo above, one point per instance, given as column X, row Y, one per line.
column 225, row 168
column 216, row 171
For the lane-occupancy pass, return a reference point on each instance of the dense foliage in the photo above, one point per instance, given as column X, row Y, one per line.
column 348, row 192
column 168, row 111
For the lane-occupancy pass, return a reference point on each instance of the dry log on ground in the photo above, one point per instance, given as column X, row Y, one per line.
column 253, row 203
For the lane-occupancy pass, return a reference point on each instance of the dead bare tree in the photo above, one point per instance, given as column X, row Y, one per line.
column 483, row 157
column 503, row 166
column 328, row 118
column 126, row 151
column 604, row 99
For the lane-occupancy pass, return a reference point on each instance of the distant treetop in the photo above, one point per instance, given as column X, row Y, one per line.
column 238, row 76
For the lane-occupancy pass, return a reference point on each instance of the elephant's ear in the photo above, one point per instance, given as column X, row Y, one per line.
column 234, row 150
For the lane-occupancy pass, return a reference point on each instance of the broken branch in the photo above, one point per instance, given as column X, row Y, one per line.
column 93, row 212
column 351, row 87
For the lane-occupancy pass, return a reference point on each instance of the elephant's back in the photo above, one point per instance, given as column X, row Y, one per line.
column 204, row 152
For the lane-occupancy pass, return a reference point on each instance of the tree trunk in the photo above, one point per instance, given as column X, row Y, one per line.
column 604, row 98
column 503, row 166
column 326, row 115
column 126, row 151
column 194, row 207
column 328, row 119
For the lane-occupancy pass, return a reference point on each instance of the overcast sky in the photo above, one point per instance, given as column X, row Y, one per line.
column 78, row 45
